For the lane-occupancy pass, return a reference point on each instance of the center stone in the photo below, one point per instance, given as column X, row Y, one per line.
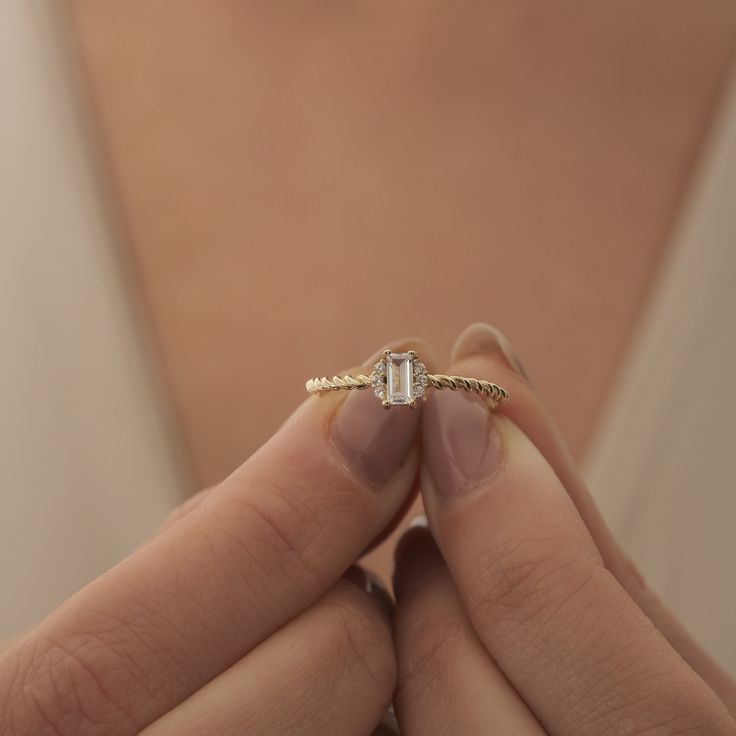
column 399, row 378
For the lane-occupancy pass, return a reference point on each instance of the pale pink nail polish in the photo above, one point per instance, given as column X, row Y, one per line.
column 461, row 444
column 481, row 339
column 373, row 441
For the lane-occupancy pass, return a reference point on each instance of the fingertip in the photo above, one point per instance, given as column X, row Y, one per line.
column 416, row 558
column 482, row 339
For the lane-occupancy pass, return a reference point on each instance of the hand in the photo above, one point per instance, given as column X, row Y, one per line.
column 518, row 615
column 234, row 619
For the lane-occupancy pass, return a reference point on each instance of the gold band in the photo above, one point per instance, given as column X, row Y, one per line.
column 493, row 394
column 337, row 383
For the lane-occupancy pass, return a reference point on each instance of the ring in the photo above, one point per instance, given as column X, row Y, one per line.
column 401, row 379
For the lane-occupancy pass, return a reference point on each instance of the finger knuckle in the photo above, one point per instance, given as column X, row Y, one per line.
column 518, row 582
column 78, row 684
column 359, row 641
column 274, row 533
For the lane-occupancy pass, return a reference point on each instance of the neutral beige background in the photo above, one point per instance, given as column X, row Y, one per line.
column 298, row 187
column 87, row 460
column 88, row 451
column 306, row 182
column 663, row 465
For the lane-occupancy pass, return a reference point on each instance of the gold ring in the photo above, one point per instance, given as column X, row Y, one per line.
column 402, row 379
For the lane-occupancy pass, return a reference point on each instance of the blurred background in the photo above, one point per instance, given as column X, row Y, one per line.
column 203, row 204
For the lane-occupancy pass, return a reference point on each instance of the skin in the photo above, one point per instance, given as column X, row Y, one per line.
column 240, row 592
column 517, row 614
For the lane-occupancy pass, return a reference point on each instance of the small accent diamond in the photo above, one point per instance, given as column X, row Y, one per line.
column 420, row 379
column 379, row 386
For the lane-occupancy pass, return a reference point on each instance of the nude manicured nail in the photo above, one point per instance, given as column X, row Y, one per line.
column 416, row 558
column 461, row 443
column 373, row 441
column 481, row 339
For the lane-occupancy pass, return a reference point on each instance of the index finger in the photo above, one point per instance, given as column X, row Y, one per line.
column 265, row 544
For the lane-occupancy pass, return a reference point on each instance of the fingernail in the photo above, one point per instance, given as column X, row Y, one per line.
column 416, row 528
column 416, row 558
column 373, row 441
column 389, row 723
column 481, row 339
column 461, row 443
column 370, row 584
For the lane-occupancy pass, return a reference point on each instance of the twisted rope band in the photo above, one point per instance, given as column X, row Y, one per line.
column 336, row 383
column 493, row 394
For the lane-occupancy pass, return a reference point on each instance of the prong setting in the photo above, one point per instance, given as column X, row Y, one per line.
column 399, row 379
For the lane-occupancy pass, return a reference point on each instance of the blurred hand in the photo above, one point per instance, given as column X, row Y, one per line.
column 518, row 614
column 234, row 619
column 240, row 616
